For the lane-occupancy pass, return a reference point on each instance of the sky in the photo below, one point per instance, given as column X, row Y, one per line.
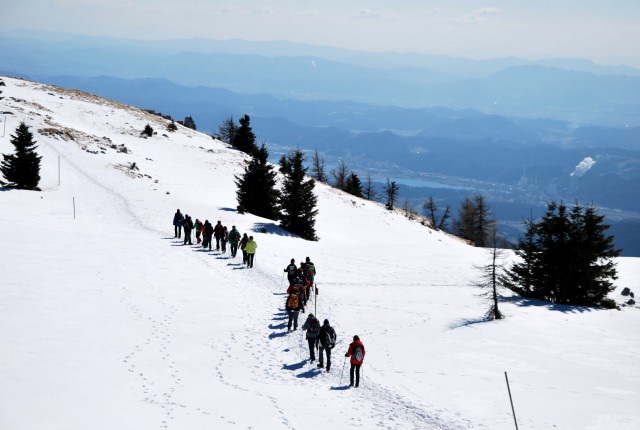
column 606, row 32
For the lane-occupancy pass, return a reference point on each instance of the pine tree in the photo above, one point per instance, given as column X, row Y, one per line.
column 490, row 276
column 190, row 123
column 297, row 200
column 148, row 130
column 172, row 126
column 244, row 139
column 566, row 257
column 353, row 185
column 22, row 169
column 256, row 191
column 391, row 192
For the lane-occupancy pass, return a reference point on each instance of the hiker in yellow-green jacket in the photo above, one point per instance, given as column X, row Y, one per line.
column 250, row 248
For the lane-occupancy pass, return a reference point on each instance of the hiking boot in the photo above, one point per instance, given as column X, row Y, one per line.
column 320, row 366
column 327, row 369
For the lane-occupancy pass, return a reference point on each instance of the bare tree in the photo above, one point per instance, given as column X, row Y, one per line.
column 340, row 175
column 391, row 191
column 318, row 168
column 431, row 208
column 367, row 191
column 227, row 130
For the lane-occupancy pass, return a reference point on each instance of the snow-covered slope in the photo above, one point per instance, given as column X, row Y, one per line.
column 108, row 322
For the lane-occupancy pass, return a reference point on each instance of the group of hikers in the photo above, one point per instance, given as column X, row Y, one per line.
column 322, row 337
column 301, row 287
column 222, row 235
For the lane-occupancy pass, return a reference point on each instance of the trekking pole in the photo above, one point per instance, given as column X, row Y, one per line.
column 361, row 376
column 301, row 335
column 282, row 280
column 511, row 400
column 341, row 373
column 315, row 298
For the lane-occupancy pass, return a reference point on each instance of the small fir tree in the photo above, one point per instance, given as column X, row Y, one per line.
column 148, row 130
column 353, row 185
column 431, row 209
column 172, row 126
column 22, row 169
column 256, row 191
column 244, row 139
column 490, row 277
column 297, row 200
column 368, row 191
column 190, row 123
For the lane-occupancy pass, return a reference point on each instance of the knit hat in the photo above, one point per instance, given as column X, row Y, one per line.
column 326, row 322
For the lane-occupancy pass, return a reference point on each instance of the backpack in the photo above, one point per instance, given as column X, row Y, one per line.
column 329, row 337
column 293, row 301
column 357, row 353
column 314, row 328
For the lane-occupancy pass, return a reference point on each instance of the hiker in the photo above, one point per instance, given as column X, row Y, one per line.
column 178, row 220
column 250, row 247
column 207, row 234
column 217, row 233
column 234, row 239
column 292, row 306
column 224, row 239
column 312, row 326
column 243, row 247
column 291, row 270
column 356, row 352
column 327, row 338
column 299, row 291
column 198, row 227
column 188, row 226
column 310, row 268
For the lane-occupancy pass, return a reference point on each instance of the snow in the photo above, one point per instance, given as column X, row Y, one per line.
column 108, row 322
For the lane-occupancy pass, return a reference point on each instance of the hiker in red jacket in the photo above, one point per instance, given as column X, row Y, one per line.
column 356, row 352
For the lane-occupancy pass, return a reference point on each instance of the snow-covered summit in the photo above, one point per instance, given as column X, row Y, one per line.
column 108, row 322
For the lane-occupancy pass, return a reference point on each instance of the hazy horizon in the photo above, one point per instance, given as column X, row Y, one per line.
column 605, row 34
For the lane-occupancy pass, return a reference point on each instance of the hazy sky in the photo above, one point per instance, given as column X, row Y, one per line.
column 604, row 31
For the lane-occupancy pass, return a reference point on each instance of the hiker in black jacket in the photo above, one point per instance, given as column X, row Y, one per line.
column 188, row 226
column 291, row 270
column 327, row 338
column 207, row 234
column 178, row 220
column 312, row 326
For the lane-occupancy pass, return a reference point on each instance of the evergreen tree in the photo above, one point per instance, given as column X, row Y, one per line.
column 297, row 200
column 244, row 139
column 172, row 126
column 490, row 275
column 463, row 226
column 256, row 191
column 190, row 123
column 148, row 130
column 391, row 192
column 566, row 257
column 22, row 169
column 353, row 185
column 227, row 130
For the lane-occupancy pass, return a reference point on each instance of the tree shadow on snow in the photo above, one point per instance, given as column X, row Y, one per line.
column 526, row 302
column 271, row 228
column 467, row 322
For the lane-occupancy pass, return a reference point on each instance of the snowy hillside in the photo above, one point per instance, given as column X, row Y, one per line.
column 108, row 322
